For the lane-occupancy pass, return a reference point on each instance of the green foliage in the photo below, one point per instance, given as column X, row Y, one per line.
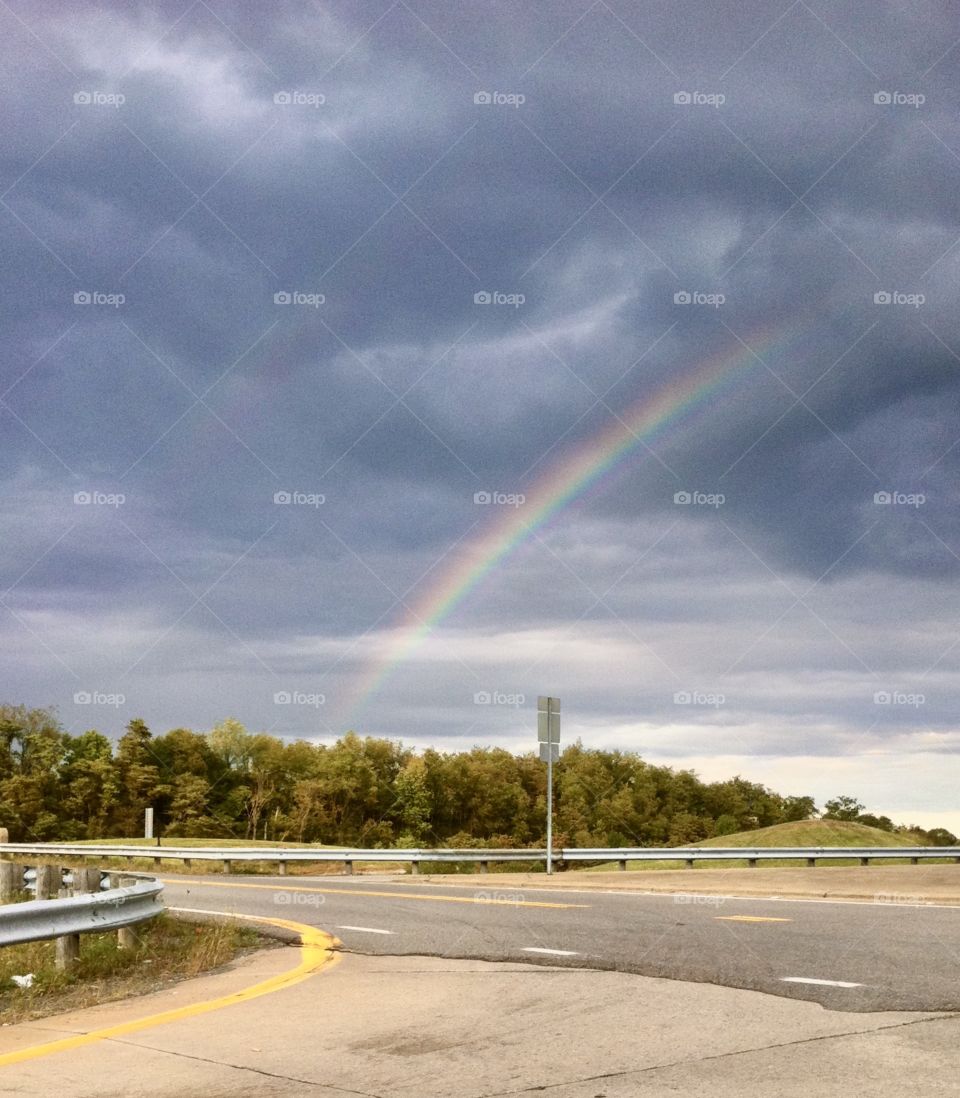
column 231, row 783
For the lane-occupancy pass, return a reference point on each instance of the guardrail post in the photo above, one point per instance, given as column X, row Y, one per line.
column 812, row 862
column 914, row 861
column 690, row 864
column 348, row 868
column 484, row 867
column 187, row 862
column 48, row 882
column 414, row 867
column 67, row 950
column 157, row 863
column 622, row 865
column 4, row 835
column 226, row 865
column 282, row 869
column 11, row 881
column 864, row 861
column 126, row 936
column 752, row 863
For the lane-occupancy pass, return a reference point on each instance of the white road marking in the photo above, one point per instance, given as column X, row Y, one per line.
column 366, row 929
column 552, row 952
column 811, row 980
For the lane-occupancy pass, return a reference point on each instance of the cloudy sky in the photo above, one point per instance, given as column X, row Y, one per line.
column 383, row 365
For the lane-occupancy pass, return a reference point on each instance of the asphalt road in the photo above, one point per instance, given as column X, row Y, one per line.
column 847, row 956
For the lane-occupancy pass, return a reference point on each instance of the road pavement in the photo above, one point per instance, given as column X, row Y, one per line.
column 846, row 956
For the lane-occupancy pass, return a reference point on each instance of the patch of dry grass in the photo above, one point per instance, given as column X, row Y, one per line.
column 167, row 950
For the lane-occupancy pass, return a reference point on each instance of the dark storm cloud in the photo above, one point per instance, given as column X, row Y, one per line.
column 796, row 159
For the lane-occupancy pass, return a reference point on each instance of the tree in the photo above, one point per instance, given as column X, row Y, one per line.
column 842, row 808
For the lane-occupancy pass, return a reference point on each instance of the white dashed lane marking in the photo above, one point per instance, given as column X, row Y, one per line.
column 366, row 929
column 819, row 983
column 552, row 952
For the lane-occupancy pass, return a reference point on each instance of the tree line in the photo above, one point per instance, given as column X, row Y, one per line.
column 359, row 791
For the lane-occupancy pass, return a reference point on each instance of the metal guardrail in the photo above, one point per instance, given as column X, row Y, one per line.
column 37, row 920
column 285, row 855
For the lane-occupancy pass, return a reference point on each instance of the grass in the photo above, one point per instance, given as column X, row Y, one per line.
column 167, row 950
column 801, row 833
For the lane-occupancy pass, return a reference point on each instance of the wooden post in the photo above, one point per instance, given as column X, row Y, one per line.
column 126, row 935
column 11, row 881
column 484, row 867
column 414, row 867
column 622, row 865
column 752, row 863
column 348, row 868
column 811, row 862
column 691, row 864
column 226, row 865
column 68, row 946
column 48, row 882
column 282, row 869
column 864, row 861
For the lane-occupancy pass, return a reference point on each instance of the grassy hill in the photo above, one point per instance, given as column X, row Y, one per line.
column 801, row 833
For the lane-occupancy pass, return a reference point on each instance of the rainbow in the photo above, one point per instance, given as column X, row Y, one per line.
column 576, row 471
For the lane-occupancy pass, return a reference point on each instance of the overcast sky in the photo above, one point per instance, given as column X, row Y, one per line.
column 289, row 288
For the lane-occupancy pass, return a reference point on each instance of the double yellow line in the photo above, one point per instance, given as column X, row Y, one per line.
column 316, row 953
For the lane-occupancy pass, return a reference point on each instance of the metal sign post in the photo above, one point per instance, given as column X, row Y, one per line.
column 548, row 734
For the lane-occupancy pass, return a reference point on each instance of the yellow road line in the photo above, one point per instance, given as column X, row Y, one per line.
column 751, row 919
column 316, row 952
column 492, row 901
